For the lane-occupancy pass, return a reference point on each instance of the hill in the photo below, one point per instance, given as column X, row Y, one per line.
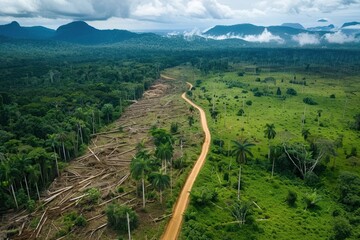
column 82, row 33
column 14, row 30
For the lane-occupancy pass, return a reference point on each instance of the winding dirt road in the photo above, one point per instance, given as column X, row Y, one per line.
column 174, row 226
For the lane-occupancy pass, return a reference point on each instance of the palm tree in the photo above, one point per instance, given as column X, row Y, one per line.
column 139, row 168
column 107, row 110
column 164, row 152
column 7, row 177
column 305, row 133
column 33, row 172
column 63, row 137
column 270, row 133
column 54, row 142
column 160, row 181
column 241, row 149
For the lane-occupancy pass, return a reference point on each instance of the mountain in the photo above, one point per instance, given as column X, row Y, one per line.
column 349, row 24
column 239, row 29
column 330, row 27
column 254, row 33
column 14, row 30
column 80, row 32
column 293, row 25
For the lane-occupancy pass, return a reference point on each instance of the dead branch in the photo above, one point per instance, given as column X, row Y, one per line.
column 22, row 228
column 83, row 187
column 42, row 216
column 64, row 208
column 257, row 205
column 114, row 198
column 162, row 218
column 40, row 228
column 98, row 228
column 79, row 197
column 96, row 217
column 94, row 154
column 91, row 177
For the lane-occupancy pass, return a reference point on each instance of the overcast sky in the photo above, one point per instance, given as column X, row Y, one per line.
column 177, row 14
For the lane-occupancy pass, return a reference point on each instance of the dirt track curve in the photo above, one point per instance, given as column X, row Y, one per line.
column 174, row 226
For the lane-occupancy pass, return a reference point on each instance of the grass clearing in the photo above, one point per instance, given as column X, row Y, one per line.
column 276, row 219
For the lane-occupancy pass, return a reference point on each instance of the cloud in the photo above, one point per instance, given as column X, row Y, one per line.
column 307, row 6
column 264, row 37
column 306, row 39
column 339, row 37
column 104, row 9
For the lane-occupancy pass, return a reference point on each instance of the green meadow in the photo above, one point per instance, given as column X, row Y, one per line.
column 239, row 103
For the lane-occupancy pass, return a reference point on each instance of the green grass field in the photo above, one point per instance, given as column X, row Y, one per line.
column 273, row 217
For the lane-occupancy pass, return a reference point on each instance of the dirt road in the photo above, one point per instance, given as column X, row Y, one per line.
column 174, row 226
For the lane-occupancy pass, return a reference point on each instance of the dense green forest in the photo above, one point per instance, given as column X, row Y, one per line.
column 48, row 112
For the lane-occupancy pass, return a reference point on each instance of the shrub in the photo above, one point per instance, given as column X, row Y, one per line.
column 31, row 205
column 291, row 198
column 342, row 228
column 312, row 199
column 218, row 142
column 258, row 94
column 349, row 185
column 202, row 196
column 174, row 128
column 117, row 218
column 240, row 112
column 311, row 179
column 291, row 91
column 309, row 101
column 93, row 196
column 332, row 96
column 278, row 91
column 356, row 123
column 248, row 102
column 71, row 220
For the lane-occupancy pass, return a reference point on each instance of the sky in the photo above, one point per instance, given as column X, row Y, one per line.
column 142, row 15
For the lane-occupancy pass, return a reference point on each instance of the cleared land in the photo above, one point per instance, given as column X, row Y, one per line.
column 105, row 167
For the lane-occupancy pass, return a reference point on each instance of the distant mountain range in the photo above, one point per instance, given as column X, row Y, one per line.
column 75, row 32
column 288, row 34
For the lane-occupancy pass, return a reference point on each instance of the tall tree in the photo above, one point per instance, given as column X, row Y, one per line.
column 108, row 110
column 241, row 149
column 53, row 141
column 160, row 181
column 140, row 168
column 270, row 134
column 164, row 152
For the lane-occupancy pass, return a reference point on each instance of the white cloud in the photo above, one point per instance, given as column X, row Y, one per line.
column 307, row 6
column 264, row 37
column 184, row 13
column 339, row 37
column 306, row 39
